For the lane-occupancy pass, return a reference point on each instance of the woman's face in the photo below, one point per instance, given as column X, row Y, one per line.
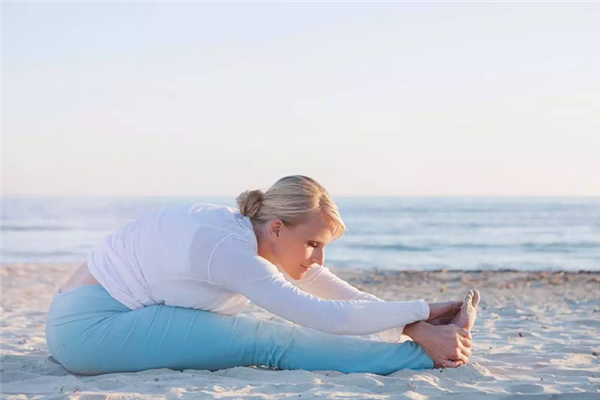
column 300, row 248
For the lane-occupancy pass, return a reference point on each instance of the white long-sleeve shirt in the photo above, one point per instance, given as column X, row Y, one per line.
column 205, row 256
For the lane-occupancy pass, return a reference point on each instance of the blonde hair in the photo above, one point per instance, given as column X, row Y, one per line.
column 293, row 199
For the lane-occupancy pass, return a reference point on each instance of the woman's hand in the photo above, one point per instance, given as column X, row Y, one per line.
column 447, row 345
column 443, row 313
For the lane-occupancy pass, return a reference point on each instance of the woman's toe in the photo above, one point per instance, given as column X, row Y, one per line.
column 476, row 297
column 468, row 297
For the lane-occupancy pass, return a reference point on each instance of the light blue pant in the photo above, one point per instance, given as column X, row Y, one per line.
column 90, row 333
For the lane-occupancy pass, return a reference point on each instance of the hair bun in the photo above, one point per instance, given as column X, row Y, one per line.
column 249, row 202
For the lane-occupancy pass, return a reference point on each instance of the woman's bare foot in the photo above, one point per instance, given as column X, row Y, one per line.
column 448, row 345
column 468, row 313
column 443, row 313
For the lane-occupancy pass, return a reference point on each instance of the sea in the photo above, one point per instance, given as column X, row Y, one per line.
column 392, row 233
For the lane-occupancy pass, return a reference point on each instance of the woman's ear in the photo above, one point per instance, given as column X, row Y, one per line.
column 275, row 226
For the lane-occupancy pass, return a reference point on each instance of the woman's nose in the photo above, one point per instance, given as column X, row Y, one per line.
column 318, row 258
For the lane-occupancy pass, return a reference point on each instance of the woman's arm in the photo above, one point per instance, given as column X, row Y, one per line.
column 321, row 282
column 235, row 266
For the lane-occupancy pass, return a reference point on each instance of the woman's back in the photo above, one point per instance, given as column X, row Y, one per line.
column 147, row 261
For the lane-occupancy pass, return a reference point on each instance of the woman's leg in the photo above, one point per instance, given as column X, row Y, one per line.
column 89, row 333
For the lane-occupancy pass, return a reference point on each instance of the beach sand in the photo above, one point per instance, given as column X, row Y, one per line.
column 537, row 334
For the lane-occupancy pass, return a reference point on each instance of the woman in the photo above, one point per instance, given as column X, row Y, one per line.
column 163, row 291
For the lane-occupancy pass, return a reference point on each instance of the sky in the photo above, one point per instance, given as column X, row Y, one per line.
column 369, row 99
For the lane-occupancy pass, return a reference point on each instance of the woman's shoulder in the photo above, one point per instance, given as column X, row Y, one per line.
column 220, row 222
column 207, row 214
column 220, row 215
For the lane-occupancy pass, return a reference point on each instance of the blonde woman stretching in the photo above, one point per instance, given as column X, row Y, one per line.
column 163, row 291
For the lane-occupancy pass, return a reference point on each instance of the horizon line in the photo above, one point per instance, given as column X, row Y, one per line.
column 35, row 196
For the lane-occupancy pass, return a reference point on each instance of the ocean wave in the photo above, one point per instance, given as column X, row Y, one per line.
column 560, row 246
column 397, row 247
column 536, row 247
column 38, row 254
column 44, row 228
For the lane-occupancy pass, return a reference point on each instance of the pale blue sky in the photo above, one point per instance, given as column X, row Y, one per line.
column 407, row 99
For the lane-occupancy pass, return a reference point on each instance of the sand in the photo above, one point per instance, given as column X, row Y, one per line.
column 537, row 334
